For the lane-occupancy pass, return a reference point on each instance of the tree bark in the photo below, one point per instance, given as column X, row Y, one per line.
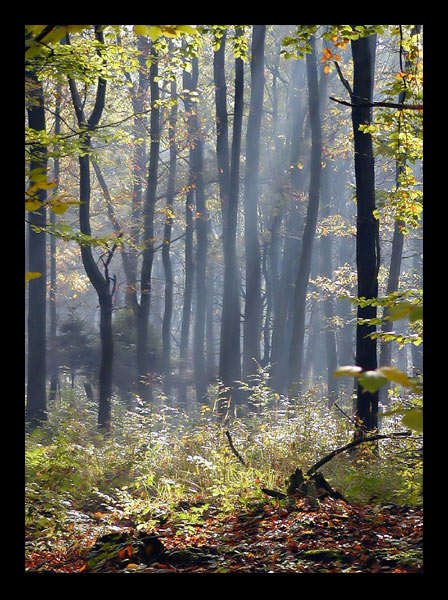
column 36, row 404
column 367, row 233
column 101, row 283
column 144, row 362
column 253, row 307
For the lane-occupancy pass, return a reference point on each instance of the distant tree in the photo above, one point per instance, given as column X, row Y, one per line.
column 201, row 216
column 304, row 266
column 253, row 305
column 291, row 219
column 166, row 258
column 144, row 365
column 228, row 172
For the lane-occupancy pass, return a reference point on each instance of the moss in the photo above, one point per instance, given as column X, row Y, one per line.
column 324, row 554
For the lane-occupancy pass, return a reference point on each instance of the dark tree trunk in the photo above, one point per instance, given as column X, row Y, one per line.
column 253, row 306
column 36, row 404
column 367, row 235
column 145, row 364
column 200, row 372
column 52, row 313
column 103, row 284
column 229, row 358
column 303, row 272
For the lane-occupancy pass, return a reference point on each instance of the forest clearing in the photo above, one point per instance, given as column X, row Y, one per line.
column 223, row 293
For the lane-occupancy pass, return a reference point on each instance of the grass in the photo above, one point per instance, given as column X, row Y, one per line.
column 154, row 462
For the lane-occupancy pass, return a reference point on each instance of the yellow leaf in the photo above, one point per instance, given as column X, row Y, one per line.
column 60, row 208
column 170, row 31
column 141, row 29
column 31, row 275
column 394, row 374
column 187, row 29
column 414, row 419
column 154, row 32
column 32, row 205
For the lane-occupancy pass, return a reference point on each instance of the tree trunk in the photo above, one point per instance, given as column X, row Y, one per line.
column 279, row 354
column 144, row 362
column 367, row 234
column 303, row 272
column 229, row 358
column 52, row 313
column 36, row 405
column 253, row 307
column 326, row 269
column 102, row 284
column 200, row 372
column 166, row 258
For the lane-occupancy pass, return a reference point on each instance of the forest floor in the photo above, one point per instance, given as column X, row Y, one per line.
column 286, row 536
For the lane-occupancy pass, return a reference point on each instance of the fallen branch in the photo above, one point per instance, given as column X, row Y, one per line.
column 234, row 450
column 371, row 438
column 315, row 481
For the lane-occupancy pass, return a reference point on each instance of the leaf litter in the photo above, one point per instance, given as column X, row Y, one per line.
column 275, row 536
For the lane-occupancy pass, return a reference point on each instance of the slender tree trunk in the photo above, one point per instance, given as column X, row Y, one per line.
column 103, row 284
column 303, row 272
column 253, row 307
column 138, row 98
column 144, row 362
column 36, row 404
column 229, row 357
column 166, row 258
column 394, row 270
column 326, row 269
column 367, row 235
column 52, row 313
column 200, row 371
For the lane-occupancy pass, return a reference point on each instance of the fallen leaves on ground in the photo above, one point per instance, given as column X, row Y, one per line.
column 285, row 536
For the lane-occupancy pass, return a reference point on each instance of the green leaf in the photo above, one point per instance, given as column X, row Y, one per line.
column 416, row 314
column 371, row 381
column 414, row 419
column 400, row 310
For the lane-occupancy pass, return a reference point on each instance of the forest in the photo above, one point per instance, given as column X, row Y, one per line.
column 223, row 299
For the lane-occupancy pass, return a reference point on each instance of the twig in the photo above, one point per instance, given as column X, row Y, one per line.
column 397, row 105
column 234, row 450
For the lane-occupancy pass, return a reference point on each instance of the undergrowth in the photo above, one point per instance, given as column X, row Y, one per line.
column 161, row 463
